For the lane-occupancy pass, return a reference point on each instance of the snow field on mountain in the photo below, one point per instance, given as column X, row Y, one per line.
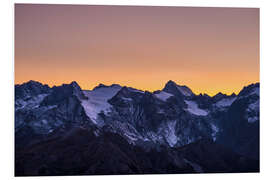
column 163, row 95
column 98, row 101
column 194, row 109
column 225, row 102
column 185, row 91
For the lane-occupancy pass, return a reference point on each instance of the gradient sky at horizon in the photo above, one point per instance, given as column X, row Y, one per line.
column 210, row 50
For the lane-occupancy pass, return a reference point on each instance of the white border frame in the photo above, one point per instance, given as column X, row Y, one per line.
column 7, row 82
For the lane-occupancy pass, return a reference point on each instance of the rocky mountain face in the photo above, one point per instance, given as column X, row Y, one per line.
column 240, row 127
column 171, row 130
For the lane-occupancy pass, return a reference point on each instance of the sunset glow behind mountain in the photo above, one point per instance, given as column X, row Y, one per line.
column 210, row 50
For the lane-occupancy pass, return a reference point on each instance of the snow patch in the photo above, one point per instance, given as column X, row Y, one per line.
column 194, row 109
column 131, row 138
column 31, row 103
column 96, row 133
column 163, row 95
column 225, row 102
column 98, row 101
column 196, row 167
column 253, row 119
column 44, row 121
column 135, row 90
column 255, row 91
column 184, row 90
column 254, row 106
column 154, row 137
column 253, row 112
column 126, row 99
column 215, row 130
column 171, row 137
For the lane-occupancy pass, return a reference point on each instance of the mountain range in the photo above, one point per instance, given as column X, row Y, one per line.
column 64, row 130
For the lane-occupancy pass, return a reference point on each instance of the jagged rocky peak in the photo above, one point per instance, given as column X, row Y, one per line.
column 30, row 83
column 71, row 89
column 106, row 86
column 75, row 88
column 123, row 92
column 219, row 96
column 203, row 100
column 170, row 82
column 62, row 92
column 125, row 96
column 250, row 90
column 173, row 88
column 119, row 97
column 242, row 121
column 128, row 92
column 30, row 88
column 148, row 94
column 204, row 95
column 74, row 84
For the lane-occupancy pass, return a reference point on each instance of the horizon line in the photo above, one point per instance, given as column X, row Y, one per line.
column 202, row 93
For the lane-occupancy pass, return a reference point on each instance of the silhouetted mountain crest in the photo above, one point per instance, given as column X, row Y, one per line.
column 177, row 90
column 59, row 93
column 30, row 88
column 219, row 96
column 105, row 86
column 252, row 88
column 172, row 117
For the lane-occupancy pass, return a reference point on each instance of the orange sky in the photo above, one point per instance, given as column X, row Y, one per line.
column 210, row 50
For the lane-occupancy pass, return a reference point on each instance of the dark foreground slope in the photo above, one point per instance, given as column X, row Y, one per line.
column 81, row 152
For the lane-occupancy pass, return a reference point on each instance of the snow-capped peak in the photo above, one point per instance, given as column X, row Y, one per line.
column 172, row 87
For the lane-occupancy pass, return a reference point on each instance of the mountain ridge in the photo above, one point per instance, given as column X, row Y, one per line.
column 173, row 117
column 116, row 84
